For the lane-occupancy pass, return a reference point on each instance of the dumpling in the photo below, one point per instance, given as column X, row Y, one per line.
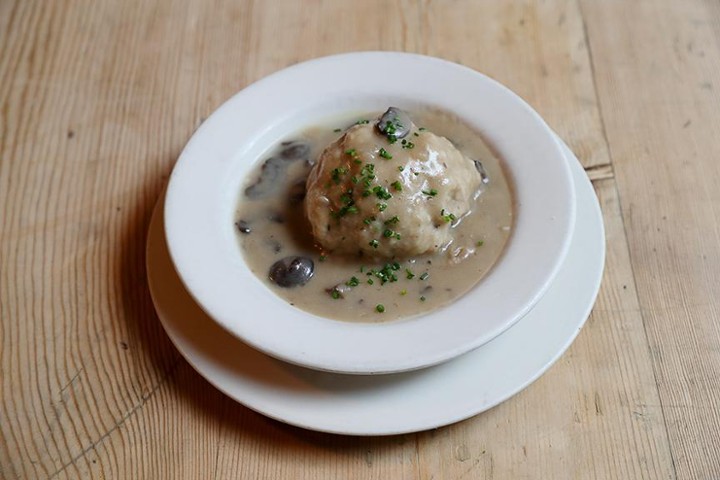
column 389, row 190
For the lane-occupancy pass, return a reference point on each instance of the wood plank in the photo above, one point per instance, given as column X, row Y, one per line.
column 657, row 64
column 536, row 49
column 595, row 414
column 96, row 107
column 98, row 98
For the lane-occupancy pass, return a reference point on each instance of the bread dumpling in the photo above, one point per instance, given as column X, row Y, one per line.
column 388, row 189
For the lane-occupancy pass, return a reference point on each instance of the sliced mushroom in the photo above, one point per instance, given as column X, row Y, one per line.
column 243, row 226
column 481, row 170
column 294, row 150
column 292, row 271
column 271, row 173
column 394, row 124
column 274, row 168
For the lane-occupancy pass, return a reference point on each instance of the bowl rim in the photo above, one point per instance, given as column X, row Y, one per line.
column 201, row 238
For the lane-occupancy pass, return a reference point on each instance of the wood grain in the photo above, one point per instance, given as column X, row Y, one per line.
column 97, row 98
column 657, row 66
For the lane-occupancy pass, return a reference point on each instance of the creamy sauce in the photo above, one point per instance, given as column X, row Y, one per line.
column 352, row 289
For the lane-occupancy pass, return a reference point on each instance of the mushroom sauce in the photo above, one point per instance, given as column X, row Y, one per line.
column 276, row 237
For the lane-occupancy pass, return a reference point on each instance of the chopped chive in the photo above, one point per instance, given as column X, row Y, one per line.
column 322, row 258
column 380, row 308
column 424, row 276
column 432, row 192
column 422, row 129
column 410, row 274
column 336, row 173
column 403, row 292
column 382, row 193
column 395, row 266
column 408, row 145
column 370, row 281
column 362, row 122
column 384, row 154
column 368, row 170
column 448, row 217
column 337, row 130
column 422, row 299
column 392, row 221
column 401, row 168
column 369, row 220
column 397, row 185
column 374, row 243
column 335, row 294
column 353, row 282
column 382, row 206
column 480, row 243
column 388, row 233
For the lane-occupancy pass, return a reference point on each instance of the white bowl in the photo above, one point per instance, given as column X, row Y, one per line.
column 205, row 184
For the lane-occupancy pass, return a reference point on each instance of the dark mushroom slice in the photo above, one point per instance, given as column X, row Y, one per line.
column 243, row 226
column 295, row 150
column 292, row 271
column 272, row 171
column 481, row 170
column 394, row 124
column 274, row 168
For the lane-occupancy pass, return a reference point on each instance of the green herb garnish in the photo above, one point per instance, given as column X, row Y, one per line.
column 448, row 217
column 382, row 193
column 384, row 154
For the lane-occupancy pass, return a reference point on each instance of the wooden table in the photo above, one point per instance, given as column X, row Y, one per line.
column 99, row 97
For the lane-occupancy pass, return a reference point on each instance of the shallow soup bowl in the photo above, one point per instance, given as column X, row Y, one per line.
column 205, row 184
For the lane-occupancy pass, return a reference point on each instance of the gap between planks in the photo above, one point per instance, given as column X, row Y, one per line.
column 600, row 172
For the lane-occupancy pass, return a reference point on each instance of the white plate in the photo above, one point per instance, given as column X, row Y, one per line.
column 396, row 403
column 204, row 188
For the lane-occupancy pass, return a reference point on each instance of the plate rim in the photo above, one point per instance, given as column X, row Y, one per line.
column 571, row 331
column 397, row 346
